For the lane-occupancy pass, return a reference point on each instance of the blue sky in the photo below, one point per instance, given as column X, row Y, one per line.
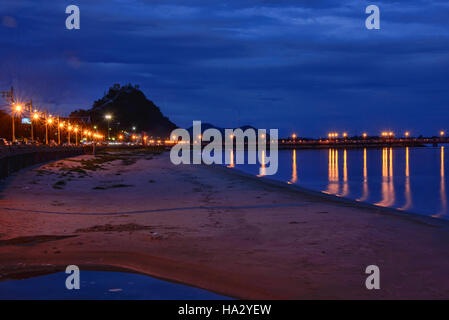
column 300, row 66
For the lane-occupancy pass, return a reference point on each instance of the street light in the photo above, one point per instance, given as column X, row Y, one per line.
column 17, row 108
column 441, row 133
column 60, row 126
column 108, row 118
column 35, row 117
column 69, row 128
column 76, row 136
column 49, row 121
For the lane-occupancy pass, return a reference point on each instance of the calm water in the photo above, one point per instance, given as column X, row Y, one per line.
column 411, row 179
column 102, row 285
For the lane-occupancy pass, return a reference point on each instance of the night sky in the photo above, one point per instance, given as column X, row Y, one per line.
column 300, row 66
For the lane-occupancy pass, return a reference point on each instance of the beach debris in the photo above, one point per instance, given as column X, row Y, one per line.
column 59, row 184
column 156, row 236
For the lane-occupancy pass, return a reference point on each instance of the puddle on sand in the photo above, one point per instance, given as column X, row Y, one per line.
column 102, row 285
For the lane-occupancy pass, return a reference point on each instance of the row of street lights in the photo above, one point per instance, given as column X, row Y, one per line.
column 49, row 121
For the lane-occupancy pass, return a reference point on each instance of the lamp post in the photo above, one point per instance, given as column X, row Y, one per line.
column 60, row 126
column 108, row 118
column 35, row 117
column 47, row 122
column 29, row 105
column 17, row 108
column 76, row 136
column 69, row 128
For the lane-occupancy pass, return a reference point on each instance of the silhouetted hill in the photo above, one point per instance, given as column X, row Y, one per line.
column 129, row 108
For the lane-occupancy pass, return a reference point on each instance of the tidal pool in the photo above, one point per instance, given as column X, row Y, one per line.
column 104, row 285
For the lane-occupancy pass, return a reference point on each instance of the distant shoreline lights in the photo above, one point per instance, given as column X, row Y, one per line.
column 211, row 153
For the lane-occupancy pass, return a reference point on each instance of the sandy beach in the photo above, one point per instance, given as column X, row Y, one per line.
column 214, row 228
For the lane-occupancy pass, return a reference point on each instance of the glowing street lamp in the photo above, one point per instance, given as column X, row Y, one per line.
column 441, row 133
column 16, row 109
column 294, row 136
column 60, row 126
column 407, row 134
column 35, row 117
column 69, row 129
column 48, row 121
column 387, row 134
column 76, row 135
column 108, row 117
column 364, row 135
column 345, row 135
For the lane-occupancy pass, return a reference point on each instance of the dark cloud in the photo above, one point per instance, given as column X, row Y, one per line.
column 309, row 65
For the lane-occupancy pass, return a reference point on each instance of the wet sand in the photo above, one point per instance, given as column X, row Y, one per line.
column 216, row 229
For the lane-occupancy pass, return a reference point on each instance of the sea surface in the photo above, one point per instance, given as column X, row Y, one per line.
column 104, row 285
column 412, row 179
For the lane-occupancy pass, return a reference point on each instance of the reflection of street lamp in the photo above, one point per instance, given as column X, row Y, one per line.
column 108, row 118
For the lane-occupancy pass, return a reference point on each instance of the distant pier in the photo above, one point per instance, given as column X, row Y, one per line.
column 360, row 143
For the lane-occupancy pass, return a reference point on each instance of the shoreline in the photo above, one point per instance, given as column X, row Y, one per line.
column 220, row 232
column 434, row 221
